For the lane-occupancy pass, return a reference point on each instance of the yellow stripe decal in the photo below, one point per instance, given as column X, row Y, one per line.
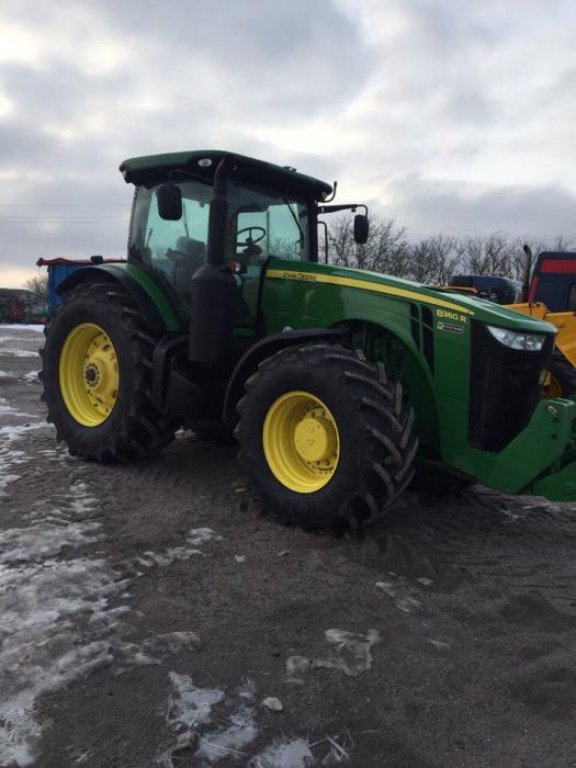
column 365, row 285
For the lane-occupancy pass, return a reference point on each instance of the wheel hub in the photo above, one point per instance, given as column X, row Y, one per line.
column 315, row 437
column 92, row 374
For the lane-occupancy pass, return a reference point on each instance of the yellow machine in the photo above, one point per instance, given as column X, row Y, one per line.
column 561, row 381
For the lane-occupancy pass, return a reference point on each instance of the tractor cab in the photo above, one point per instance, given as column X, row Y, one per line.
column 259, row 223
column 232, row 212
column 181, row 222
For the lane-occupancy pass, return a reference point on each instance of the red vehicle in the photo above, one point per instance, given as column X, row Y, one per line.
column 554, row 281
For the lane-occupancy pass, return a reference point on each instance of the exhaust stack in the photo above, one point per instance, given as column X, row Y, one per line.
column 213, row 288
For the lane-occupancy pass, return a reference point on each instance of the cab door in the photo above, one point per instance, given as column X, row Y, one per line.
column 260, row 228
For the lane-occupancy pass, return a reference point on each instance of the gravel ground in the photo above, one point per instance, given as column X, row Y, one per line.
column 153, row 615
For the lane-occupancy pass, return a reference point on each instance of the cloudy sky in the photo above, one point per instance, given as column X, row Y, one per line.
column 444, row 115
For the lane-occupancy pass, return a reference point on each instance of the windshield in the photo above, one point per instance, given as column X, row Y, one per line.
column 267, row 222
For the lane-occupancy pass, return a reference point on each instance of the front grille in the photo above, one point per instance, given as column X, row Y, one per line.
column 505, row 387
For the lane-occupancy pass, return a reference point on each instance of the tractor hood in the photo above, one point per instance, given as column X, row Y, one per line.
column 478, row 309
column 407, row 290
column 489, row 312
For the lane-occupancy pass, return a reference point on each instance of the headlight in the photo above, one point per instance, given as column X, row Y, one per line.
column 528, row 342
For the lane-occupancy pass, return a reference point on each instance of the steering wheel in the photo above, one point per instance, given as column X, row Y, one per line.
column 250, row 240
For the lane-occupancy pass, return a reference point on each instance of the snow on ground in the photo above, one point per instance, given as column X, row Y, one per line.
column 291, row 754
column 6, row 409
column 351, row 655
column 10, row 457
column 50, row 603
column 28, row 378
column 192, row 712
column 193, row 540
column 57, row 623
column 17, row 353
column 42, row 595
column 16, row 327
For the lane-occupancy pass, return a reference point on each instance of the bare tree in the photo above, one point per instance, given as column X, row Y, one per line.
column 386, row 250
column 39, row 287
column 435, row 258
column 341, row 245
column 489, row 255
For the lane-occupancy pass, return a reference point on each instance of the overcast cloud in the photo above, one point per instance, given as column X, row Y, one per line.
column 446, row 116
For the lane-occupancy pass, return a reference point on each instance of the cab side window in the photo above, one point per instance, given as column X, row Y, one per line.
column 173, row 249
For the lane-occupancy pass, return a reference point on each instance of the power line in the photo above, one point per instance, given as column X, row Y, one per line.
column 41, row 205
column 61, row 220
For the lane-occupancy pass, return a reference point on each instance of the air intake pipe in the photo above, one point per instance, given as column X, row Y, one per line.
column 213, row 289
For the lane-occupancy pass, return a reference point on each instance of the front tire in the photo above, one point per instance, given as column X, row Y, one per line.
column 97, row 371
column 325, row 436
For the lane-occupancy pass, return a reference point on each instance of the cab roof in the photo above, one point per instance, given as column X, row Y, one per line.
column 201, row 164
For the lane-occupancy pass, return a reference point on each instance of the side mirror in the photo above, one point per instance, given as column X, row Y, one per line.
column 169, row 198
column 361, row 228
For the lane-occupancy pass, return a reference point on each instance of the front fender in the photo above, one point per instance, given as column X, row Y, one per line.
column 265, row 348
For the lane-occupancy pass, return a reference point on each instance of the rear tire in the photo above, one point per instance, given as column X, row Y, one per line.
column 327, row 439
column 97, row 373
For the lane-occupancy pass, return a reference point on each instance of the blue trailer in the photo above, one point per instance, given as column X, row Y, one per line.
column 59, row 269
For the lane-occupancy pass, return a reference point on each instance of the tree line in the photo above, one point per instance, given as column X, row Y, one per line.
column 435, row 258
column 432, row 260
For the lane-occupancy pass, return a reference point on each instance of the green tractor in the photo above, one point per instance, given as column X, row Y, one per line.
column 339, row 384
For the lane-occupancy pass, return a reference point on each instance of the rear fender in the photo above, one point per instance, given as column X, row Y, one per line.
column 155, row 306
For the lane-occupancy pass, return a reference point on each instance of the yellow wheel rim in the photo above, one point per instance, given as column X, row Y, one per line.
column 301, row 442
column 88, row 375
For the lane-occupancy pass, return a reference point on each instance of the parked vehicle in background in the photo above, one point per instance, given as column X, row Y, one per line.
column 60, row 269
column 553, row 281
column 19, row 305
column 501, row 290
